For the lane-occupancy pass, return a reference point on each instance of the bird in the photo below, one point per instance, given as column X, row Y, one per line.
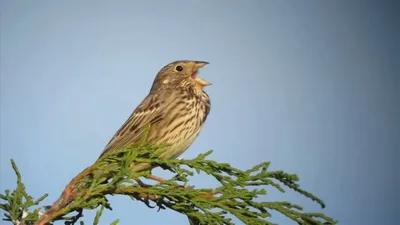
column 175, row 109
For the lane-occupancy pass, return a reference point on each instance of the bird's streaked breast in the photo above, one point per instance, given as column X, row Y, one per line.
column 181, row 126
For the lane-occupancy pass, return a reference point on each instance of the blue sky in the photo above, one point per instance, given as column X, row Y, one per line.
column 312, row 86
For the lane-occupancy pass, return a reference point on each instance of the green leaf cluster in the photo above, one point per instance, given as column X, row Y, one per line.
column 237, row 195
column 18, row 203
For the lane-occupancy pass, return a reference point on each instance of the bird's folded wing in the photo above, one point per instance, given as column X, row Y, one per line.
column 150, row 111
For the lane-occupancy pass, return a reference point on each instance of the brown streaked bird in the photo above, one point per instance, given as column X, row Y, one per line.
column 176, row 109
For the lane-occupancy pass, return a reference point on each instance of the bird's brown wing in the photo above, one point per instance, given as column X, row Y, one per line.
column 149, row 112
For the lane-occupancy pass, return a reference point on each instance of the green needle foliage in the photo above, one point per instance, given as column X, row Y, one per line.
column 236, row 196
column 18, row 204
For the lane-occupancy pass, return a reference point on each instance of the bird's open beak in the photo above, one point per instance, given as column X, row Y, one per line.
column 200, row 81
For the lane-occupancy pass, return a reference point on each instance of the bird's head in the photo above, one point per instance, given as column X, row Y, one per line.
column 180, row 74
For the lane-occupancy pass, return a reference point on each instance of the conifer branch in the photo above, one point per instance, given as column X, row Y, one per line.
column 236, row 196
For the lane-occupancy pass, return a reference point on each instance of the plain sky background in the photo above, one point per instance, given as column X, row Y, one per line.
column 312, row 86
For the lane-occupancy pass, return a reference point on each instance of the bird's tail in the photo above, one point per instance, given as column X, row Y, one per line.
column 68, row 195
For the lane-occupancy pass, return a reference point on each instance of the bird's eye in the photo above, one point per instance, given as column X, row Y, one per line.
column 179, row 68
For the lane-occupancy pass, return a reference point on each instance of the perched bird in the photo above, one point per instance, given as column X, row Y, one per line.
column 176, row 109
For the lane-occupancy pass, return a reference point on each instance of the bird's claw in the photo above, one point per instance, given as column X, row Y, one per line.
column 142, row 184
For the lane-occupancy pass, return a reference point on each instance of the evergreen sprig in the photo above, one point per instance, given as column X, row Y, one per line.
column 17, row 205
column 236, row 196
